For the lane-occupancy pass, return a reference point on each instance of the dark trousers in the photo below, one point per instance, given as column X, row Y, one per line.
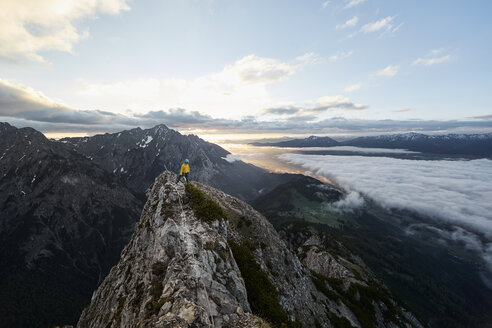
column 186, row 175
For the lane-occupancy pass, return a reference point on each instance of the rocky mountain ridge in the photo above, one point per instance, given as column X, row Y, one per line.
column 63, row 224
column 450, row 144
column 66, row 215
column 476, row 145
column 312, row 141
column 202, row 258
column 136, row 157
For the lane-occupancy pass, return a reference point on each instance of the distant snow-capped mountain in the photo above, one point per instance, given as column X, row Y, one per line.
column 450, row 144
column 477, row 145
column 312, row 141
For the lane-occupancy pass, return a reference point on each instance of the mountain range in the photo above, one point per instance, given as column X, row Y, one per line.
column 312, row 141
column 136, row 157
column 69, row 207
column 200, row 255
column 63, row 224
column 478, row 145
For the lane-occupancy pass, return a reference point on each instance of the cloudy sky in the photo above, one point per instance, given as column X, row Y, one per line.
column 228, row 66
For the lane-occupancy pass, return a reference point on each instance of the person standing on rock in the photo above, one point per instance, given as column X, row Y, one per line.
column 185, row 170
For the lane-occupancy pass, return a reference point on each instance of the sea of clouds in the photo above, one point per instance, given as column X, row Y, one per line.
column 455, row 192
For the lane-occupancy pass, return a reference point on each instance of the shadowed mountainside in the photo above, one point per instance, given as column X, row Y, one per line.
column 63, row 224
column 138, row 156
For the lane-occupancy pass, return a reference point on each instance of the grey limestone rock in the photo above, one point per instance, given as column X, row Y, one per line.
column 180, row 270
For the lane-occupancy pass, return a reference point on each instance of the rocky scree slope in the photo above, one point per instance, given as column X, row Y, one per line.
column 201, row 258
column 138, row 156
column 63, row 223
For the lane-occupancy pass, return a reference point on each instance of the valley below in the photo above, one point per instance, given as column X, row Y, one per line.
column 420, row 221
column 377, row 236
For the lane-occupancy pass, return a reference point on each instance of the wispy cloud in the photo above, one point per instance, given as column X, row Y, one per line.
column 325, row 4
column 336, row 102
column 401, row 110
column 383, row 24
column 353, row 3
column 283, row 110
column 483, row 117
column 349, row 23
column 255, row 69
column 30, row 27
column 341, row 55
column 353, row 87
column 308, row 58
column 321, row 104
column 429, row 61
column 389, row 71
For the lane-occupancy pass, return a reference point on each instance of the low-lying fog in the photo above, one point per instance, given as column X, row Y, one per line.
column 456, row 192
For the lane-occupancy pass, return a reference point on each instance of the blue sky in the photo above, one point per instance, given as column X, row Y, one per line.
column 273, row 62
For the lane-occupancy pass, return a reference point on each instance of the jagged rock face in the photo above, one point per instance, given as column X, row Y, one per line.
column 199, row 280
column 297, row 293
column 181, row 271
column 324, row 263
column 63, row 224
column 138, row 156
column 176, row 271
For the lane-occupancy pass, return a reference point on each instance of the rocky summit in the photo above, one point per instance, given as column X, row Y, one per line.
column 202, row 258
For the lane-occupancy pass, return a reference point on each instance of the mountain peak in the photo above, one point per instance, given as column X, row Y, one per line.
column 160, row 127
column 178, row 269
column 202, row 258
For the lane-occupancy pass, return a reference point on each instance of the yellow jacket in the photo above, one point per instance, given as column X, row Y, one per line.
column 185, row 168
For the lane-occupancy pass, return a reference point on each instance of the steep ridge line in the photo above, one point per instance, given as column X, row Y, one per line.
column 188, row 243
column 197, row 279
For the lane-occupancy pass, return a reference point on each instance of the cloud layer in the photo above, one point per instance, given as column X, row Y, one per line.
column 453, row 192
column 24, row 106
